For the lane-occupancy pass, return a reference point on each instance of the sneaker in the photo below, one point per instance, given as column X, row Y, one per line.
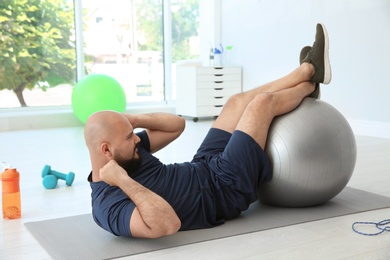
column 319, row 56
column 316, row 93
column 305, row 50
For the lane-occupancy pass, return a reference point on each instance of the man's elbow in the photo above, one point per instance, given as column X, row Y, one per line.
column 169, row 229
column 175, row 226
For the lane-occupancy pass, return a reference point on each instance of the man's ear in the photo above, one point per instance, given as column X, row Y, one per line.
column 105, row 149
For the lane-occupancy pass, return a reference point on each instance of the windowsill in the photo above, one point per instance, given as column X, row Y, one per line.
column 29, row 118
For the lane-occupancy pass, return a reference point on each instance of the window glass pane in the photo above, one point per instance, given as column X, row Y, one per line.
column 185, row 29
column 37, row 52
column 124, row 39
column 185, row 34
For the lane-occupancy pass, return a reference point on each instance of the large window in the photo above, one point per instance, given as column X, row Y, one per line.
column 121, row 38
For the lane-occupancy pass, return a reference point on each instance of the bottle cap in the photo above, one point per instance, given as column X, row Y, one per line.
column 10, row 173
column 10, row 178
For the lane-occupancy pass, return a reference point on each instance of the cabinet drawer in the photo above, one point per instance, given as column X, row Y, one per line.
column 216, row 92
column 219, row 84
column 217, row 70
column 208, row 111
column 212, row 101
column 218, row 78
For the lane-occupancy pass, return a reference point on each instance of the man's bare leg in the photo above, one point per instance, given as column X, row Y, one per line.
column 315, row 67
column 236, row 105
column 259, row 113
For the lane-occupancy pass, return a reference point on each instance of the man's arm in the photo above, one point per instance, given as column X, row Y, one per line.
column 162, row 128
column 153, row 217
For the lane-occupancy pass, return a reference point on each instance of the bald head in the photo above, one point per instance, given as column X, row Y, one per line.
column 101, row 127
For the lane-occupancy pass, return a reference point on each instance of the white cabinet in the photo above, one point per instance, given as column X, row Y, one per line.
column 202, row 91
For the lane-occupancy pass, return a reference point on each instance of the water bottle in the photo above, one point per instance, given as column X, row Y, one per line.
column 11, row 193
column 218, row 56
column 211, row 57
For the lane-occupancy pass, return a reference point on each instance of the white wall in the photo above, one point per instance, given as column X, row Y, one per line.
column 268, row 35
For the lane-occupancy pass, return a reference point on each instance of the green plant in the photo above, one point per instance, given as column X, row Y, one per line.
column 36, row 45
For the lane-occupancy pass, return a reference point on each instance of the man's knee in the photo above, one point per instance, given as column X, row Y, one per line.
column 237, row 100
column 261, row 109
column 243, row 98
column 263, row 102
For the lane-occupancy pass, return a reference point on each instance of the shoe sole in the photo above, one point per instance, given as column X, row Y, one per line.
column 327, row 67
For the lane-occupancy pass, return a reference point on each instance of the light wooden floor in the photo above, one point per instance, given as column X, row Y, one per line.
column 65, row 151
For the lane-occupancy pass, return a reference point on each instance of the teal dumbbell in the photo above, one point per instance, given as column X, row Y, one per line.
column 50, row 182
column 47, row 171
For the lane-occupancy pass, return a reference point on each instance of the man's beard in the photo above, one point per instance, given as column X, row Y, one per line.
column 131, row 165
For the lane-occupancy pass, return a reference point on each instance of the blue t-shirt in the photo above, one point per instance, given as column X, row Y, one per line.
column 194, row 202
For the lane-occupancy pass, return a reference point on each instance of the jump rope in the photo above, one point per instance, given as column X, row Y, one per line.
column 382, row 226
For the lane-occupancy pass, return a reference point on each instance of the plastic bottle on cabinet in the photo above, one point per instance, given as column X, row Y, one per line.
column 11, row 194
column 211, row 57
column 218, row 57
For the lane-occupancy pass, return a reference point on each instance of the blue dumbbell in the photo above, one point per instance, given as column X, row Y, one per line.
column 68, row 178
column 50, row 182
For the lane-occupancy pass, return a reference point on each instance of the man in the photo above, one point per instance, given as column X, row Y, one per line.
column 134, row 194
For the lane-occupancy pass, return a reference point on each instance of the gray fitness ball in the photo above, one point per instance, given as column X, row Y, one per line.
column 312, row 151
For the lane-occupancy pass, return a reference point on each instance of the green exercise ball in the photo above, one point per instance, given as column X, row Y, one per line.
column 97, row 92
